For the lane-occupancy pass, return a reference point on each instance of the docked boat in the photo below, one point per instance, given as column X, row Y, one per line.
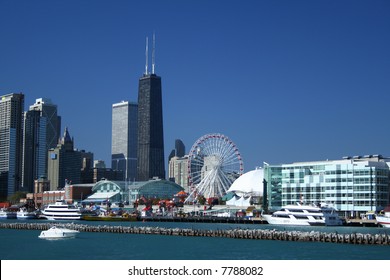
column 23, row 214
column 58, row 233
column 383, row 220
column 5, row 214
column 61, row 211
column 305, row 215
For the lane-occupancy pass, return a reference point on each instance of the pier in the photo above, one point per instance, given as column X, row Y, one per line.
column 256, row 234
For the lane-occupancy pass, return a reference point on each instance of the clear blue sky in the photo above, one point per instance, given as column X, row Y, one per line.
column 286, row 81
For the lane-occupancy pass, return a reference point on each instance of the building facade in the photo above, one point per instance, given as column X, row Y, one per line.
column 150, row 129
column 178, row 171
column 64, row 163
column 11, row 143
column 122, row 191
column 34, row 149
column 353, row 185
column 124, row 139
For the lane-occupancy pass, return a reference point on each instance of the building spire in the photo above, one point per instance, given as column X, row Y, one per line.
column 153, row 52
column 146, row 56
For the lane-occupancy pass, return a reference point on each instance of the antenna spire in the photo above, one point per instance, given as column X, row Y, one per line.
column 153, row 52
column 146, row 55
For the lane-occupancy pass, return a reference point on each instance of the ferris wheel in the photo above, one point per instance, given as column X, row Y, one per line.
column 214, row 163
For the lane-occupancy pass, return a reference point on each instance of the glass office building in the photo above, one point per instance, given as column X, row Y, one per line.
column 124, row 139
column 354, row 185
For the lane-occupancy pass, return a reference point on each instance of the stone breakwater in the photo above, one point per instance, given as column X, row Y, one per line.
column 312, row 236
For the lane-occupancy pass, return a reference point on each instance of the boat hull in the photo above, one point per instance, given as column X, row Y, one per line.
column 60, row 218
column 304, row 215
column 383, row 221
column 287, row 221
column 58, row 233
column 8, row 215
column 26, row 216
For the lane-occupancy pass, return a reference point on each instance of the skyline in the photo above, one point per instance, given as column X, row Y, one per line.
column 286, row 81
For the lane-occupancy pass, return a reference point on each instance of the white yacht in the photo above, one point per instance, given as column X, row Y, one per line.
column 24, row 214
column 57, row 233
column 305, row 215
column 5, row 214
column 61, row 211
column 383, row 220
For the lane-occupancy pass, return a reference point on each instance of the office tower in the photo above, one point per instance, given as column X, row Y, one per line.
column 64, row 163
column 34, row 149
column 48, row 110
column 150, row 128
column 11, row 140
column 124, row 139
column 179, row 150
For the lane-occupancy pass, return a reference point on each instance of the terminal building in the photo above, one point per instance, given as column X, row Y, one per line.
column 123, row 191
column 353, row 185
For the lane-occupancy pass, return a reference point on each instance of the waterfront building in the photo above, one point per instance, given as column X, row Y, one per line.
column 124, row 139
column 246, row 188
column 353, row 185
column 121, row 191
column 41, row 185
column 178, row 171
column 64, row 163
column 11, row 143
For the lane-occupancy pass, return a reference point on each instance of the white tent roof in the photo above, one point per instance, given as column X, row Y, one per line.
column 239, row 202
column 250, row 182
column 232, row 201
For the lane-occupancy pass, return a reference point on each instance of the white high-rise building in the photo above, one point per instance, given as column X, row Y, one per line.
column 124, row 139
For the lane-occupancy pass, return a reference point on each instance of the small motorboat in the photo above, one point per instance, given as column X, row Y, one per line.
column 58, row 233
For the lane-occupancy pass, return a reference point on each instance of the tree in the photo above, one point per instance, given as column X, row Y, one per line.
column 15, row 198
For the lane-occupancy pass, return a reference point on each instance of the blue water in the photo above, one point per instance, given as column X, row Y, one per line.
column 25, row 245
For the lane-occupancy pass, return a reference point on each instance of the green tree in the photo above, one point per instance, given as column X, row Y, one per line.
column 15, row 198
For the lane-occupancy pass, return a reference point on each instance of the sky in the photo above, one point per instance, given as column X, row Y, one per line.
column 286, row 81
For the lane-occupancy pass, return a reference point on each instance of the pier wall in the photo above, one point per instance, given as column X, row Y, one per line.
column 313, row 236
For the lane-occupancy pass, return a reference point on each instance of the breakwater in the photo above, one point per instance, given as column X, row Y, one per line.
column 259, row 234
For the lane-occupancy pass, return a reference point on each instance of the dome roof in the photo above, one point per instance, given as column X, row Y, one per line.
column 250, row 182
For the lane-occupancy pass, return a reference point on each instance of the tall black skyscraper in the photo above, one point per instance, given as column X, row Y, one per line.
column 150, row 129
column 150, row 125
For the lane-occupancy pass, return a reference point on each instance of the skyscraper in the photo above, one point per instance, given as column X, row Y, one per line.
column 34, row 149
column 49, row 111
column 11, row 140
column 124, row 139
column 64, row 163
column 179, row 150
column 150, row 125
